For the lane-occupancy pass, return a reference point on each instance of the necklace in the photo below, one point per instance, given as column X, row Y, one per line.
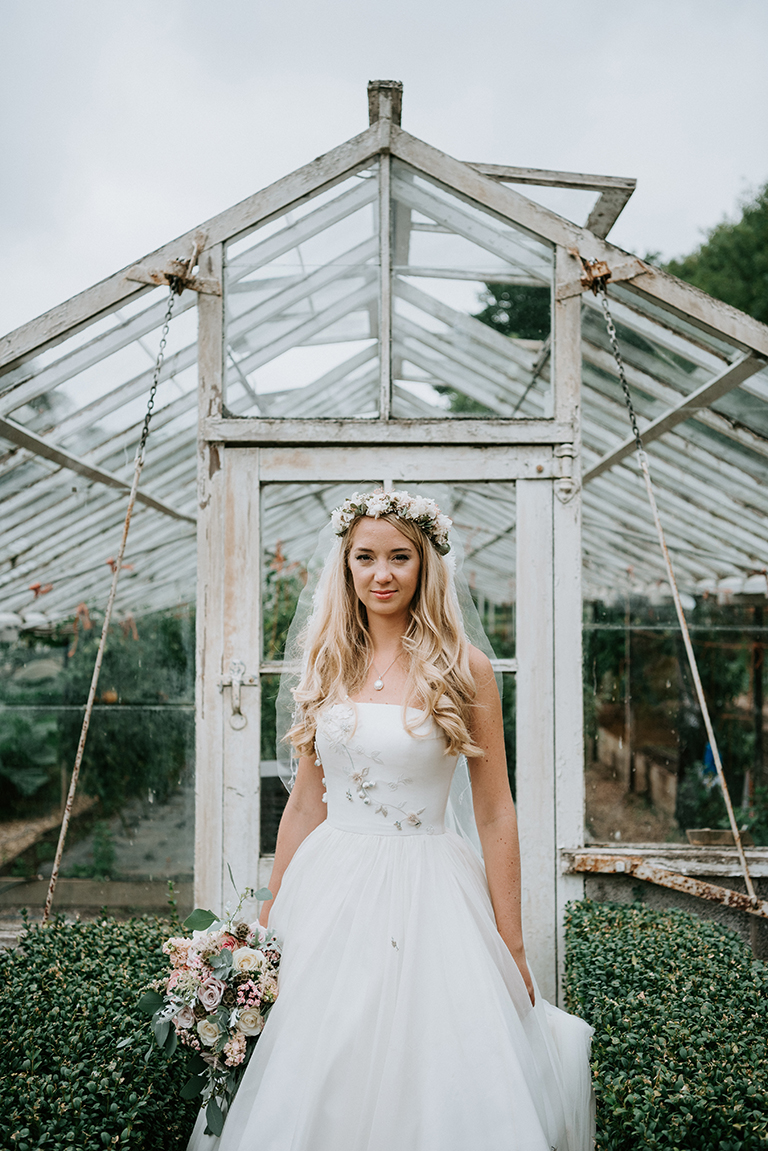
column 379, row 684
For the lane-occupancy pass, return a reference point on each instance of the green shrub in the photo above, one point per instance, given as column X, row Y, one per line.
column 69, row 997
column 680, row 1052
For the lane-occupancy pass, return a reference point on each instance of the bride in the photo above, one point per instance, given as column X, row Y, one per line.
column 407, row 1016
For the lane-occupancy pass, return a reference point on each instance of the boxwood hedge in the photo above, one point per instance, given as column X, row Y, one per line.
column 69, row 998
column 680, row 1011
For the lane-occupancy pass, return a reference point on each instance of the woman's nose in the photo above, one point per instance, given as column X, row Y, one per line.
column 383, row 572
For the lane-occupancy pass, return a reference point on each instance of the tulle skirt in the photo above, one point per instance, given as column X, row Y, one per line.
column 402, row 1020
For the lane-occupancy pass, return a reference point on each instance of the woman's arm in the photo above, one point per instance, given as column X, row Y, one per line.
column 303, row 812
column 495, row 812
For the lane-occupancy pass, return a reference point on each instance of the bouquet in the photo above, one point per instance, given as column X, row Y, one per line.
column 221, row 987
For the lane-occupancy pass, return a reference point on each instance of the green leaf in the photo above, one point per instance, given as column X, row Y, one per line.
column 200, row 920
column 125, row 1042
column 263, row 894
column 231, row 876
column 214, row 1117
column 172, row 1041
column 193, row 1087
column 161, row 1027
column 150, row 1002
column 196, row 1065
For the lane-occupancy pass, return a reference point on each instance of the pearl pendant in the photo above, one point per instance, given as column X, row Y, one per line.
column 379, row 684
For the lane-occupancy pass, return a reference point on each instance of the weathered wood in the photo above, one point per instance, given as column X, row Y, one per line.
column 701, row 397
column 593, row 863
column 241, row 610
column 437, row 463
column 245, row 432
column 70, row 317
column 157, row 277
column 385, row 274
column 209, row 735
column 610, row 204
column 567, row 606
column 535, row 733
column 37, row 446
column 385, row 100
column 547, row 177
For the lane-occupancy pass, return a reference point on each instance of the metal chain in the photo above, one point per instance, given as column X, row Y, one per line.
column 156, row 373
column 602, row 294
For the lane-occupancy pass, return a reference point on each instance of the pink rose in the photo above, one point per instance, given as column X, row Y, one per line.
column 185, row 1018
column 210, row 992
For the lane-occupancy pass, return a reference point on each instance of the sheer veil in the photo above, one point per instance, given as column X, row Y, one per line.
column 460, row 814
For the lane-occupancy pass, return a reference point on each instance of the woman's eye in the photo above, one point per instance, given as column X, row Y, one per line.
column 402, row 558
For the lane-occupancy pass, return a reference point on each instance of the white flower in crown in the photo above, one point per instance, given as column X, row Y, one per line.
column 417, row 509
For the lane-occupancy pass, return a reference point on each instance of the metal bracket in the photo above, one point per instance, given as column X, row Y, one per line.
column 236, row 680
column 177, row 273
column 591, row 272
column 565, row 486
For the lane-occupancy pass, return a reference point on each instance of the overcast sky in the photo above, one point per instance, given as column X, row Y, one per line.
column 125, row 122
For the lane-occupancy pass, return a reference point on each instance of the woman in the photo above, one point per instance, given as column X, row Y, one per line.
column 407, row 1016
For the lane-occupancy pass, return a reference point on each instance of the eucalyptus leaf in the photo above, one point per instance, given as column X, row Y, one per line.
column 171, row 1042
column 161, row 1027
column 214, row 1117
column 263, row 894
column 200, row 920
column 150, row 1002
column 231, row 876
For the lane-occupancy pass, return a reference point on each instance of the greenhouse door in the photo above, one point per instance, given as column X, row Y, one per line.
column 265, row 508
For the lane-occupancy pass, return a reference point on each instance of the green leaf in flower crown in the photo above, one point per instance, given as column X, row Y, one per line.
column 150, row 1002
column 200, row 920
column 214, row 1117
column 263, row 894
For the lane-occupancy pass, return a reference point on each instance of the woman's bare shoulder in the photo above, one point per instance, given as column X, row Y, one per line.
column 479, row 664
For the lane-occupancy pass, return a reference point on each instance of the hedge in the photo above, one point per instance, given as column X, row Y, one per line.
column 69, row 998
column 680, row 1014
column 680, row 1053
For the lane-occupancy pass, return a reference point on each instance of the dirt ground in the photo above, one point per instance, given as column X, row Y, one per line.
column 615, row 816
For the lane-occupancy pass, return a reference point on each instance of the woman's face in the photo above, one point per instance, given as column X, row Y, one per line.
column 385, row 567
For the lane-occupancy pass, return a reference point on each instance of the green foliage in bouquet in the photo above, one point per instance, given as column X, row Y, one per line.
column 75, row 1074
column 680, row 1011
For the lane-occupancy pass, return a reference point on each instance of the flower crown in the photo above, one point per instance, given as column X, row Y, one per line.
column 417, row 509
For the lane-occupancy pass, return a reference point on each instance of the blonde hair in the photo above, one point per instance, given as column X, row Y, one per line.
column 338, row 649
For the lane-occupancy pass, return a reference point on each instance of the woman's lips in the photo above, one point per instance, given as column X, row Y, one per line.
column 384, row 594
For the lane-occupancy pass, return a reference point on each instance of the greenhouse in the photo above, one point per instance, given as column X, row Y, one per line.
column 386, row 315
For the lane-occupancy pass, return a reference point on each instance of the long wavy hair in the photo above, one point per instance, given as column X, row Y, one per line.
column 338, row 649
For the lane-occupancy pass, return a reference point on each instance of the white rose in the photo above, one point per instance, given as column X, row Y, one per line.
column 260, row 933
column 186, row 1017
column 250, row 1021
column 208, row 1031
column 377, row 506
column 248, row 959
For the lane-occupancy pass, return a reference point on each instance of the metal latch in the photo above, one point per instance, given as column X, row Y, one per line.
column 566, row 485
column 236, row 680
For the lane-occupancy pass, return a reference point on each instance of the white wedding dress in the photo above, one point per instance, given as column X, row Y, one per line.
column 402, row 1022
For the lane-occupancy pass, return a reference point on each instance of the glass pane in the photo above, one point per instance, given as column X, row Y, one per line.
column 134, row 809
column 650, row 774
column 472, row 307
column 302, row 309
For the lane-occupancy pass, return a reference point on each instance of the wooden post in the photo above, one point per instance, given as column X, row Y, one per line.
column 569, row 705
column 208, row 890
column 385, row 100
column 535, row 728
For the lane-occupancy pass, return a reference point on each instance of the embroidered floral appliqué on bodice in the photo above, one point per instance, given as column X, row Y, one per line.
column 371, row 762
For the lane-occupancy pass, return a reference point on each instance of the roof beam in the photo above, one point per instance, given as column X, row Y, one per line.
column 615, row 191
column 702, row 397
column 14, row 432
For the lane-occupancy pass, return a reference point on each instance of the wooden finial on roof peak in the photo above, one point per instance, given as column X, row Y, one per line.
column 385, row 100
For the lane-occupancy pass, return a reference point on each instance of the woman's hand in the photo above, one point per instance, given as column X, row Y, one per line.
column 522, row 966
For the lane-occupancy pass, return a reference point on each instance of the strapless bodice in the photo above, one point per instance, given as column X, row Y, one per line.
column 380, row 779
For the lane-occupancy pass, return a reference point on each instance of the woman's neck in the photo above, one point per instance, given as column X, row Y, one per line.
column 387, row 632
